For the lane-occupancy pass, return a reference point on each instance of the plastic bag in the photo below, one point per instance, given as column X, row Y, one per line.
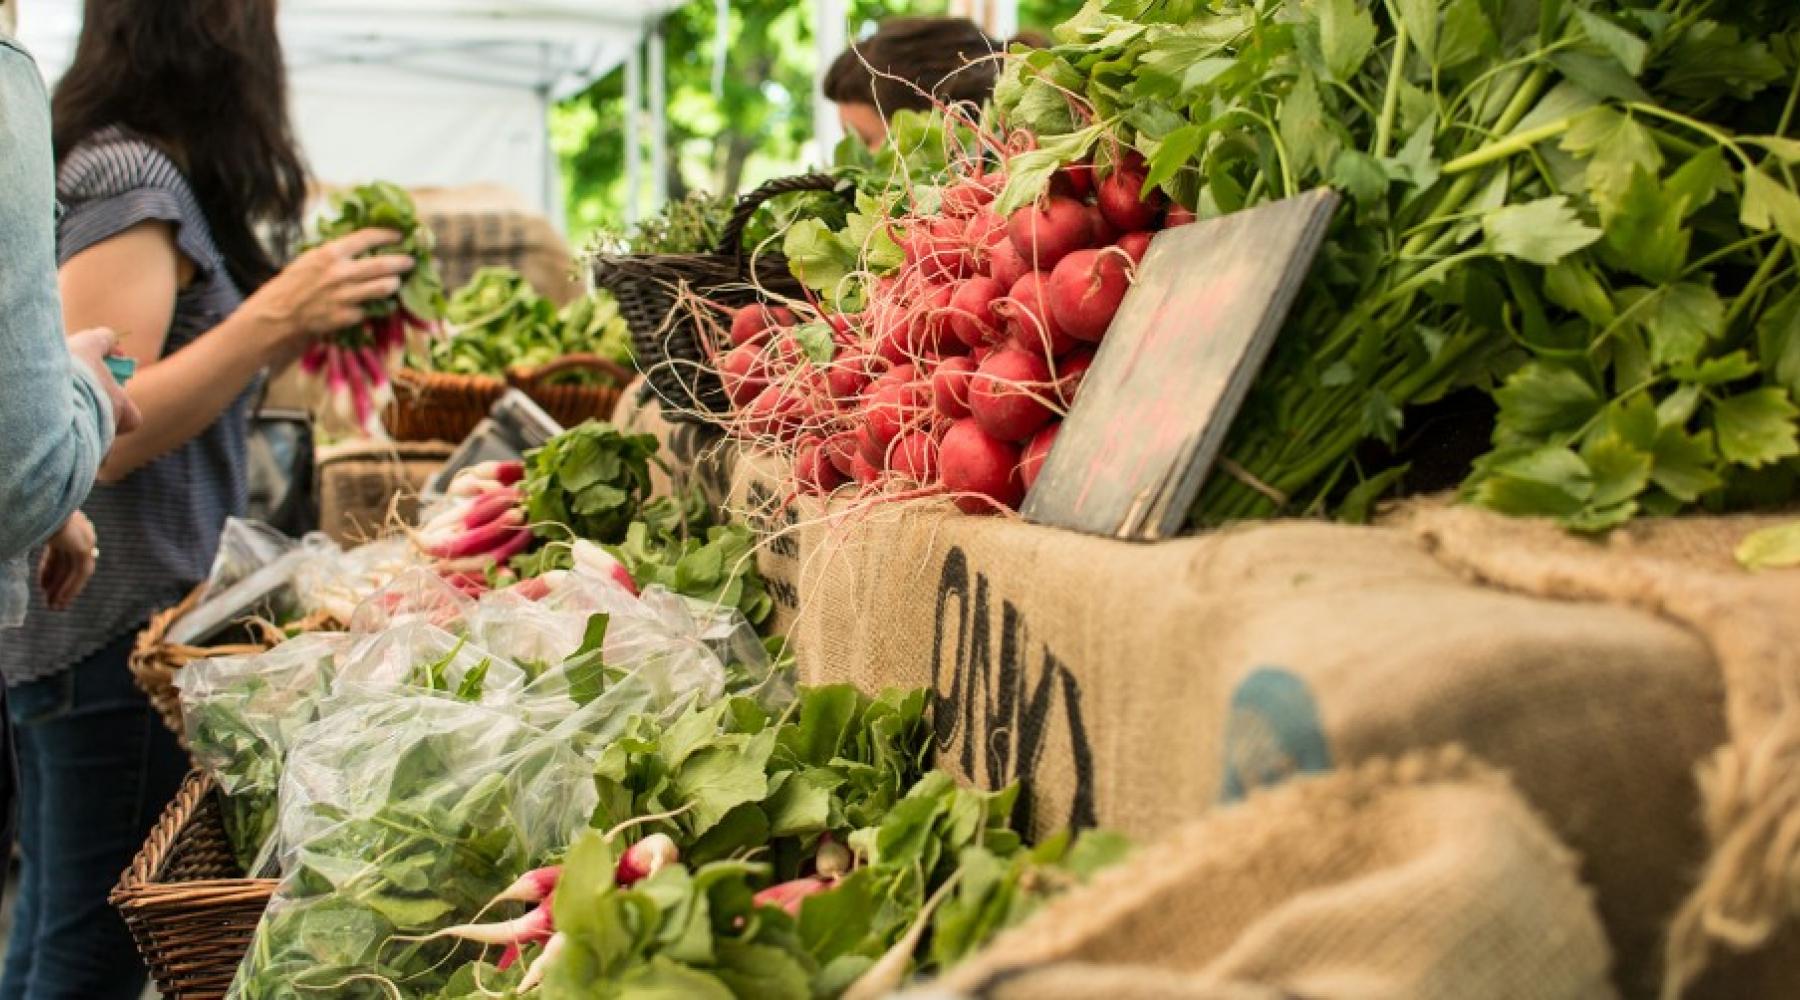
column 416, row 593
column 327, row 578
column 415, row 653
column 242, row 714
column 245, row 547
column 401, row 816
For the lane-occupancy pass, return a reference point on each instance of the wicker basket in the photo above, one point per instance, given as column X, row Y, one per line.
column 153, row 662
column 669, row 344
column 436, row 406
column 568, row 404
column 189, row 908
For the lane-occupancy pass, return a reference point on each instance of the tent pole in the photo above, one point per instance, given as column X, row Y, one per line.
column 832, row 36
column 659, row 119
column 634, row 147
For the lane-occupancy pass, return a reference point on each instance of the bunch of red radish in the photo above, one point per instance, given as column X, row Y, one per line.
column 354, row 368
column 480, row 526
column 956, row 376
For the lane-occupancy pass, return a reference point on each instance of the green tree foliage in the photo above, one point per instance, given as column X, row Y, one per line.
column 754, row 129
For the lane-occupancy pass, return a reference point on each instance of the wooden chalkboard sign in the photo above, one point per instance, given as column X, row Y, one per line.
column 1174, row 368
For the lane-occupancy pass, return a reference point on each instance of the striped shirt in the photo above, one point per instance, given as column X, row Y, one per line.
column 160, row 526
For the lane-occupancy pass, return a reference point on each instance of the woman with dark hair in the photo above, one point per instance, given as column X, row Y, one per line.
column 173, row 150
column 907, row 64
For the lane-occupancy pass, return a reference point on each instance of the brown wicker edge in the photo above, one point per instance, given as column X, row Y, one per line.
column 189, row 908
column 439, row 406
column 153, row 662
column 672, row 352
column 570, row 405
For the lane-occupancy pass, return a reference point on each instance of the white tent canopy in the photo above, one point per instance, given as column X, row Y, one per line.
column 424, row 92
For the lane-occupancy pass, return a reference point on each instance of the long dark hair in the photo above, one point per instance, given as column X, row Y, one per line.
column 910, row 60
column 205, row 81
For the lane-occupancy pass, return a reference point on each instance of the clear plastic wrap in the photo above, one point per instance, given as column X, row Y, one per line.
column 418, row 654
column 333, row 580
column 416, row 593
column 242, row 714
column 402, row 816
column 245, row 547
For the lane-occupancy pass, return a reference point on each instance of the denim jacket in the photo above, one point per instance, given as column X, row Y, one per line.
column 55, row 420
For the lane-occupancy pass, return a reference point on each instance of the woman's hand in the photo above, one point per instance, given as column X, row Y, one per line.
column 324, row 289
column 91, row 348
column 69, row 561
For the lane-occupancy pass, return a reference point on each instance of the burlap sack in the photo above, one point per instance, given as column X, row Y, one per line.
column 1426, row 878
column 688, row 453
column 1740, row 918
column 486, row 225
column 1140, row 686
column 367, row 489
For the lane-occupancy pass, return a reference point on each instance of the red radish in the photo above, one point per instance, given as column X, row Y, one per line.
column 750, row 324
column 743, row 373
column 986, row 234
column 972, row 316
column 981, row 469
column 788, row 895
column 931, row 327
column 899, row 374
column 1006, row 265
column 775, row 411
column 843, row 329
column 866, row 472
column 1005, row 395
column 1101, row 232
column 510, row 472
column 483, row 539
column 517, row 543
column 813, row 469
column 1031, row 461
column 1047, row 232
column 1069, row 372
column 1122, row 202
column 890, row 409
column 534, row 886
column 840, row 450
column 1085, row 290
column 1136, row 245
column 783, row 317
column 645, row 858
column 491, row 505
column 534, row 926
column 534, row 975
column 534, row 589
column 1076, row 179
column 1030, row 324
column 1178, row 215
column 965, row 199
column 945, row 251
column 847, row 376
column 914, row 457
column 950, row 387
column 594, row 561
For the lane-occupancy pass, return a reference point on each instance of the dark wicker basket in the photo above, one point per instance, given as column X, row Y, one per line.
column 188, row 904
column 669, row 344
column 436, row 406
column 570, row 404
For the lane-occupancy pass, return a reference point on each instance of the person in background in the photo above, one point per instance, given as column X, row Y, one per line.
column 904, row 65
column 173, row 148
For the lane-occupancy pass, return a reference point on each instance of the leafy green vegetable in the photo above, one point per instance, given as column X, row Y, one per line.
column 591, row 480
column 721, row 569
column 1589, row 212
column 497, row 322
column 382, row 205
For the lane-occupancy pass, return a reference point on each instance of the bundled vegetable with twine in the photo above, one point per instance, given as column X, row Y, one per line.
column 352, row 367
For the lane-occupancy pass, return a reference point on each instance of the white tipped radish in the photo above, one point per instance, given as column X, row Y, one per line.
column 789, row 895
column 832, row 860
column 541, row 964
column 476, row 541
column 645, row 858
column 491, row 505
column 534, row 886
column 534, row 926
column 889, row 971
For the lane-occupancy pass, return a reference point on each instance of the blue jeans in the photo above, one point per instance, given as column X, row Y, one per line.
column 96, row 768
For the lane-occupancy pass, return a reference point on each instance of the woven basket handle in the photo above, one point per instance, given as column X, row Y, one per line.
column 523, row 377
column 732, row 242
